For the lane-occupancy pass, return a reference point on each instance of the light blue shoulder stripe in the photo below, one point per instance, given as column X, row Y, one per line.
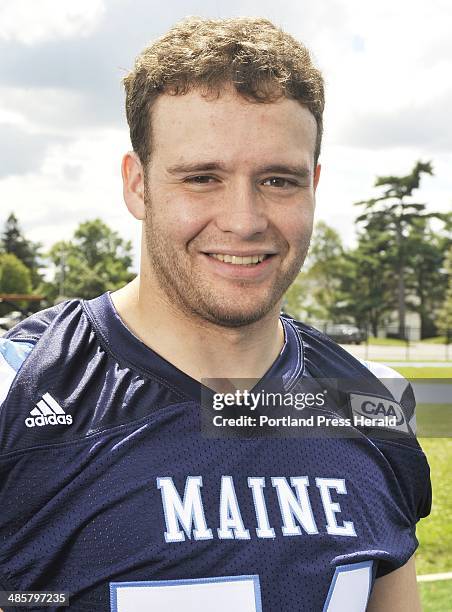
column 14, row 352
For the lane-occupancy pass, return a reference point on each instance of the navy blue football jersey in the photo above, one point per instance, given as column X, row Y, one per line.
column 111, row 492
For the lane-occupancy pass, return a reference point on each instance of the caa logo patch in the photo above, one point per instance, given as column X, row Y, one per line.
column 372, row 407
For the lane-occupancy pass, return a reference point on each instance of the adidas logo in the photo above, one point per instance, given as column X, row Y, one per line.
column 48, row 412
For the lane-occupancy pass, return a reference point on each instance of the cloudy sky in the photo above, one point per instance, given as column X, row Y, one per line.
column 387, row 67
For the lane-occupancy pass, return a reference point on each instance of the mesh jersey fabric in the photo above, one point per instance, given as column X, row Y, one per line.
column 81, row 505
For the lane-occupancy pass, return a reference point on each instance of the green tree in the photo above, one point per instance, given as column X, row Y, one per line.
column 15, row 277
column 315, row 293
column 96, row 260
column 426, row 286
column 295, row 301
column 13, row 241
column 370, row 287
column 394, row 214
column 367, row 285
column 445, row 313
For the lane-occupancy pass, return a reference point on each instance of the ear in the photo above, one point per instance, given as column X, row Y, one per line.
column 133, row 184
column 317, row 175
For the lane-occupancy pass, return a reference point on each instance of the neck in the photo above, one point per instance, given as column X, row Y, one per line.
column 197, row 347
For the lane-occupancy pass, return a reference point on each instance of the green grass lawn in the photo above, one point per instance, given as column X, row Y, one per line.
column 434, row 533
column 435, row 340
column 434, row 420
column 424, row 372
column 388, row 361
column 397, row 342
column 436, row 596
column 386, row 341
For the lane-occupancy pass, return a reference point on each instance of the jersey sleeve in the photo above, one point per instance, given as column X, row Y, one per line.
column 405, row 456
column 13, row 354
column 398, row 386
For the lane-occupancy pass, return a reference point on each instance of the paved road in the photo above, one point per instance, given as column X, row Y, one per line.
column 417, row 352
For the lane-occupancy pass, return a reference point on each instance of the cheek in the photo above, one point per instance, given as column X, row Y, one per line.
column 180, row 218
column 296, row 227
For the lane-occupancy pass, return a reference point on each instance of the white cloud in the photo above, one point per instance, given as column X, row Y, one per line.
column 58, row 110
column 77, row 181
column 395, row 80
column 424, row 125
column 30, row 22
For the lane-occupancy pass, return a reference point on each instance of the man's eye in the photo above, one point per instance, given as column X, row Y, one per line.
column 278, row 181
column 201, row 179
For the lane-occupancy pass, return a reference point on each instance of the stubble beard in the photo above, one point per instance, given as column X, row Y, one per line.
column 191, row 295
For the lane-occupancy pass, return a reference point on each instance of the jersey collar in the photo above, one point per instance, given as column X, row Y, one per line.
column 130, row 351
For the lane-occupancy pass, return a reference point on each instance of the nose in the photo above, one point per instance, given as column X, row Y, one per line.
column 241, row 210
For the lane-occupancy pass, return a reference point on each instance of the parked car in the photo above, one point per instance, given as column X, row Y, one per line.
column 345, row 333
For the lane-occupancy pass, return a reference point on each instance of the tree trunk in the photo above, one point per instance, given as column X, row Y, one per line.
column 401, row 284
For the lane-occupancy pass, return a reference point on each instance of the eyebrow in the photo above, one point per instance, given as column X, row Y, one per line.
column 301, row 172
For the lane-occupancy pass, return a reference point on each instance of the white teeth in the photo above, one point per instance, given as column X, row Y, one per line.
column 237, row 260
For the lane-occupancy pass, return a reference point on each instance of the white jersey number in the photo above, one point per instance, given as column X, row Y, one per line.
column 349, row 590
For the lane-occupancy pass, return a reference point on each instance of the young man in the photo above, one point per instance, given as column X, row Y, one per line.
column 110, row 490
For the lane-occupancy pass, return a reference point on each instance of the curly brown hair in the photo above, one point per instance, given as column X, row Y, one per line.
column 261, row 61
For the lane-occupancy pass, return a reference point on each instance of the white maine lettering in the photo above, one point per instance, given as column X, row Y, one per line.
column 185, row 513
column 295, row 507
column 263, row 529
column 332, row 508
column 185, row 517
column 231, row 524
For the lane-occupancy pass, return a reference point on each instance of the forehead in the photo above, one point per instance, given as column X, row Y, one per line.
column 231, row 128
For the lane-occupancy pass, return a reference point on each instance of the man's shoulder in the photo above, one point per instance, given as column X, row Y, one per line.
column 35, row 325
column 12, row 356
column 323, row 356
column 310, row 332
column 18, row 343
column 316, row 340
column 384, row 372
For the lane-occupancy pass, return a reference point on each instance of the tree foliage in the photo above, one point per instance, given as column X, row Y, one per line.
column 96, row 260
column 445, row 312
column 392, row 215
column 402, row 226
column 15, row 277
column 14, row 242
column 425, row 284
column 368, row 283
column 315, row 293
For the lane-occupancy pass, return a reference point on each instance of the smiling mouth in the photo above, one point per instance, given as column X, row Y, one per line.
column 238, row 260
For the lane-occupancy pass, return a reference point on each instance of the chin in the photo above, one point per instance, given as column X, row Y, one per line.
column 236, row 317
column 234, row 320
